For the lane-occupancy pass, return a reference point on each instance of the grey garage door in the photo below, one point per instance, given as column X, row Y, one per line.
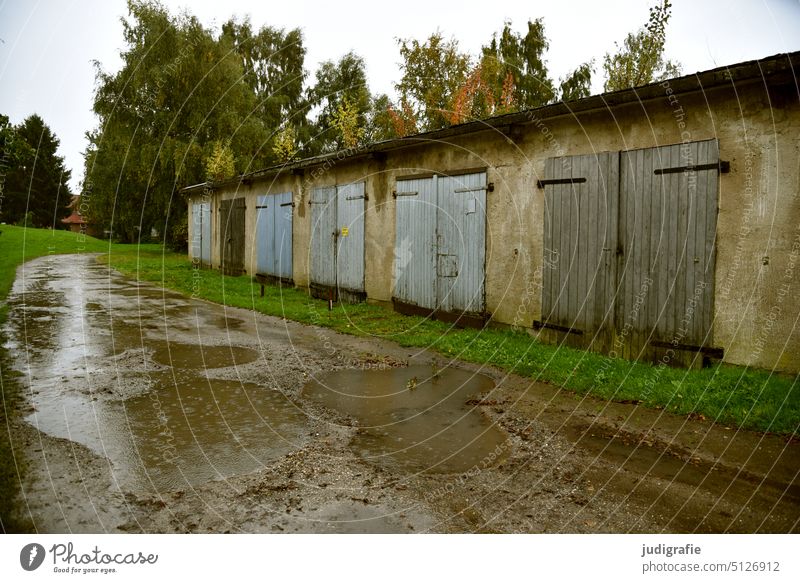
column 440, row 244
column 580, row 226
column 668, row 219
column 274, row 235
column 629, row 249
column 337, row 238
column 201, row 233
column 350, row 206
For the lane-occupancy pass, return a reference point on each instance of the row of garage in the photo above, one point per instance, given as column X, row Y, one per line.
column 630, row 237
column 616, row 249
column 440, row 259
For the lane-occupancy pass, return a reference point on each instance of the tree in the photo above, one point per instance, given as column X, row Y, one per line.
column 178, row 95
column 9, row 145
column 403, row 119
column 338, row 83
column 521, row 58
column 220, row 164
column 273, row 62
column 380, row 125
column 641, row 58
column 431, row 74
column 577, row 84
column 347, row 122
column 285, row 144
column 473, row 100
column 36, row 190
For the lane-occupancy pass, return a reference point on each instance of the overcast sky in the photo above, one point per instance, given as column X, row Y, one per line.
column 47, row 47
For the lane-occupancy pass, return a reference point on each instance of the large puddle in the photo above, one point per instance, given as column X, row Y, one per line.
column 180, row 433
column 415, row 419
column 194, row 356
column 123, row 369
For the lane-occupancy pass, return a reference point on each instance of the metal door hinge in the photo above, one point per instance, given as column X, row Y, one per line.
column 543, row 183
column 488, row 188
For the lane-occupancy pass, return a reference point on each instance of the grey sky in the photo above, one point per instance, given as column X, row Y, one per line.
column 47, row 47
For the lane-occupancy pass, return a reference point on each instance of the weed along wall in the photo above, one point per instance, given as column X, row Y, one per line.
column 661, row 223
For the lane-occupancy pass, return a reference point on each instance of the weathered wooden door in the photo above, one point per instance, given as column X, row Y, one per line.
column 350, row 207
column 580, row 233
column 274, row 235
column 461, row 243
column 195, row 243
column 629, row 251
column 323, row 236
column 205, row 234
column 337, row 238
column 201, row 234
column 668, row 218
column 440, row 244
column 415, row 243
column 231, row 217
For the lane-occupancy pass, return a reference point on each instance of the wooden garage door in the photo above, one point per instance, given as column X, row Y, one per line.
column 231, row 229
column 337, row 237
column 274, row 235
column 629, row 249
column 668, row 217
column 440, row 245
column 580, row 232
column 201, row 234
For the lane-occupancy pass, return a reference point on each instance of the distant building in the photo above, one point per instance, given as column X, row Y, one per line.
column 76, row 222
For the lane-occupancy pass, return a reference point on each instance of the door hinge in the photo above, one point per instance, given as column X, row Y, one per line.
column 543, row 183
column 488, row 188
column 722, row 166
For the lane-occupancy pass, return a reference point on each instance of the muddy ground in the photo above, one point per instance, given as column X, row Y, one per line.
column 147, row 411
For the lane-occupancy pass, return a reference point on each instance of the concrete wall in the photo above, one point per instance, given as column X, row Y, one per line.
column 758, row 235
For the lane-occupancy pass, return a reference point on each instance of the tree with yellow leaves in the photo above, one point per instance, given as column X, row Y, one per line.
column 220, row 164
column 285, row 145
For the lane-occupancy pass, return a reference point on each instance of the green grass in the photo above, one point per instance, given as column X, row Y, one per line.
column 18, row 244
column 735, row 396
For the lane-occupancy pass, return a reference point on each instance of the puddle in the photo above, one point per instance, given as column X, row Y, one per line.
column 180, row 435
column 195, row 356
column 414, row 420
column 353, row 518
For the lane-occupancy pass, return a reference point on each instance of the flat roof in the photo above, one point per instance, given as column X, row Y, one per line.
column 779, row 67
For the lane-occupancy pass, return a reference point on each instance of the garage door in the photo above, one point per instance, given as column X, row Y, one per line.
column 231, row 228
column 337, row 238
column 440, row 244
column 201, row 233
column 274, row 235
column 629, row 250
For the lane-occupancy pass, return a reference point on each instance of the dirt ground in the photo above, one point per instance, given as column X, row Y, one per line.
column 138, row 416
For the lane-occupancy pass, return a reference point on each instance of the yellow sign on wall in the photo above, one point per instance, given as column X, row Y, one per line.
column 345, row 231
